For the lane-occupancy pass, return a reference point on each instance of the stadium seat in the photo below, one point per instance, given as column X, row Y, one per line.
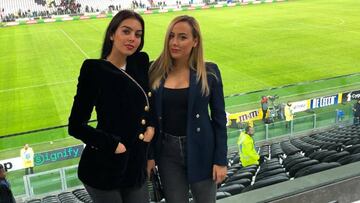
column 269, row 173
column 266, row 168
column 315, row 168
column 245, row 182
column 349, row 159
column 67, row 197
column 335, row 157
column 82, row 195
column 230, row 173
column 269, row 181
column 221, row 195
column 352, row 148
column 34, row 201
column 264, row 151
column 276, row 175
column 272, row 160
column 356, row 151
column 304, row 146
column 295, row 161
column 288, row 148
column 291, row 158
column 51, row 199
column 232, row 189
column 354, row 141
column 245, row 169
column 312, row 155
column 299, row 166
column 324, row 153
column 239, row 176
column 236, row 166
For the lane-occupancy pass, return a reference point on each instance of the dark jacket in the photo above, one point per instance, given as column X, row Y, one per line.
column 120, row 107
column 356, row 109
column 206, row 133
column 6, row 195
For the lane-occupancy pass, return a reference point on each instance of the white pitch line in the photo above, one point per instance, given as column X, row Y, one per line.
column 92, row 26
column 82, row 51
column 25, row 33
column 35, row 86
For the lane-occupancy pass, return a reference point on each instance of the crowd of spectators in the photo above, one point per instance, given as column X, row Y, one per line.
column 64, row 7
column 48, row 8
column 137, row 4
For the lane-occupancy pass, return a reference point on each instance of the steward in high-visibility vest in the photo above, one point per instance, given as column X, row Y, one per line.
column 289, row 115
column 247, row 153
column 27, row 156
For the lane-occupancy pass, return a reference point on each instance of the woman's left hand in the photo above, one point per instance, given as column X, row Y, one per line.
column 150, row 166
column 219, row 173
column 149, row 134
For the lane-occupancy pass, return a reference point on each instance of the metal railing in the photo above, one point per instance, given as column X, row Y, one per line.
column 46, row 182
column 301, row 124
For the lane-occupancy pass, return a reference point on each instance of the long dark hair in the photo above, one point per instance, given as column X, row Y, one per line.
column 114, row 24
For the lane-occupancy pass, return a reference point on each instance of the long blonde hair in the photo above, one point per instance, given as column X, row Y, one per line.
column 163, row 64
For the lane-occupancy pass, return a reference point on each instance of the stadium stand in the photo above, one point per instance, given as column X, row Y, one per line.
column 280, row 161
column 11, row 10
column 20, row 9
column 76, row 196
column 293, row 159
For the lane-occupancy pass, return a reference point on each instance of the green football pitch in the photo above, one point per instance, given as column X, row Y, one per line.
column 255, row 46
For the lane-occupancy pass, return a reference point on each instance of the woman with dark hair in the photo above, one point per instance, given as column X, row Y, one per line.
column 113, row 163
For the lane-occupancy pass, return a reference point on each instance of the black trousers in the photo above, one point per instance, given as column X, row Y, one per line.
column 29, row 170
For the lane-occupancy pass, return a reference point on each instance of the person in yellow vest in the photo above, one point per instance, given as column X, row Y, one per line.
column 27, row 156
column 247, row 152
column 289, row 115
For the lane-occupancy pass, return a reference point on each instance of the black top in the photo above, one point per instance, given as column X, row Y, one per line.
column 175, row 106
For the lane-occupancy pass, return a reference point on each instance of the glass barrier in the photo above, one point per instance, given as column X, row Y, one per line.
column 71, row 177
column 17, row 184
column 54, row 138
column 302, row 122
column 43, row 183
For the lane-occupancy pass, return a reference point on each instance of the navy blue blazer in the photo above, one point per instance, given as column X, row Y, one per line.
column 206, row 133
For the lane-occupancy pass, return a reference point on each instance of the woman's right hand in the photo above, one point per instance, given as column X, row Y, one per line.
column 120, row 148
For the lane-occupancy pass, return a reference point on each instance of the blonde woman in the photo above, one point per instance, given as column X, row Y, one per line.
column 190, row 147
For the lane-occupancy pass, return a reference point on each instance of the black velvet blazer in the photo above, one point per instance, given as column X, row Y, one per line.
column 122, row 109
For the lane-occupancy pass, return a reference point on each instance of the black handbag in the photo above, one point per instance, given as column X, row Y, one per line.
column 156, row 192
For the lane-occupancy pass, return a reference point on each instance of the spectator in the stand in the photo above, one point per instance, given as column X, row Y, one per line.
column 27, row 156
column 289, row 115
column 113, row 163
column 264, row 106
column 1, row 14
column 6, row 195
column 356, row 110
column 191, row 147
column 247, row 152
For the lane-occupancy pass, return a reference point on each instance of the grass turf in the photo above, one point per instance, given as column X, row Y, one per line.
column 256, row 47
